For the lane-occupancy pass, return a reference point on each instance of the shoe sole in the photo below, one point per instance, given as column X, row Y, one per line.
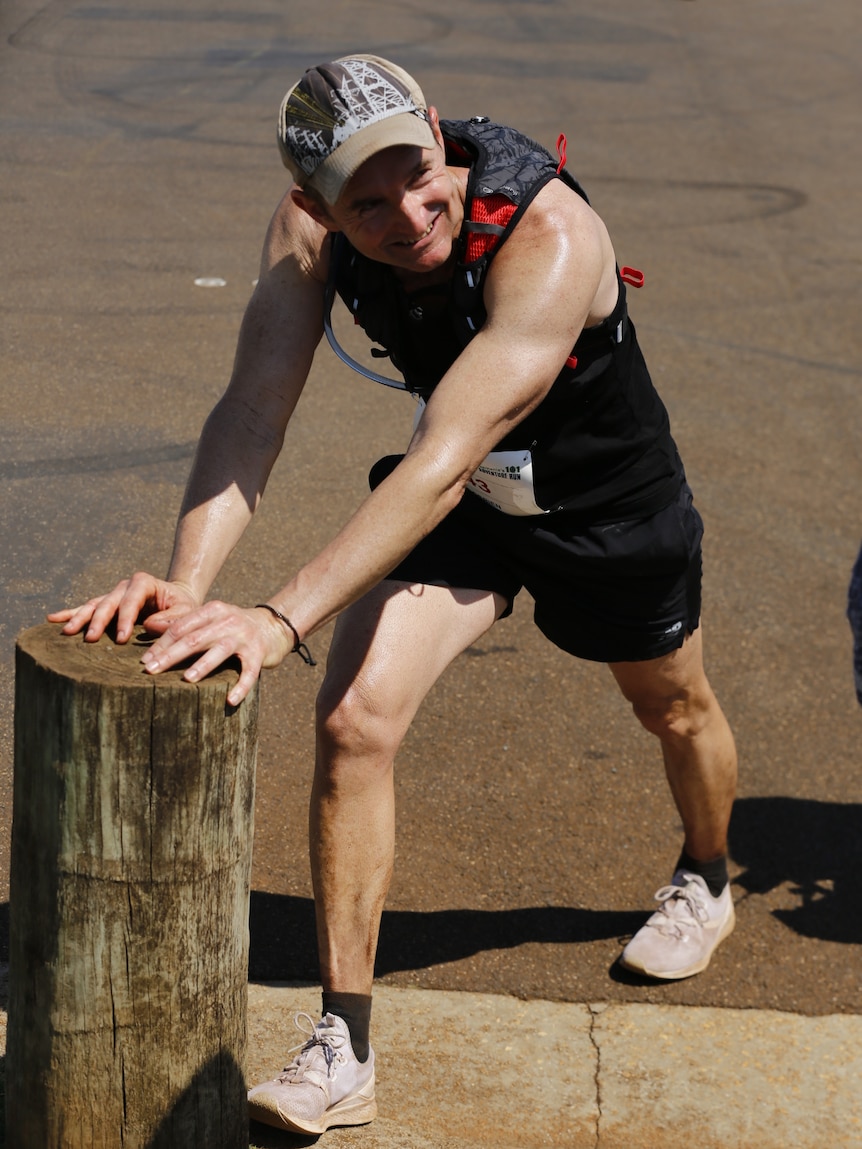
column 687, row 971
column 356, row 1110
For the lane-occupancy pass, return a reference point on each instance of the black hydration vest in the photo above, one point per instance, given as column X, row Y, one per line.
column 600, row 439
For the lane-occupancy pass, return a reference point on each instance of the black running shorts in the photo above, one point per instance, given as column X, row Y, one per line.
column 619, row 592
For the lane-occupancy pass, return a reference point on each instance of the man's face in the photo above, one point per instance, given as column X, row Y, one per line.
column 403, row 208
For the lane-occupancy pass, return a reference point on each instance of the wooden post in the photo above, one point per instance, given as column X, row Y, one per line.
column 131, row 859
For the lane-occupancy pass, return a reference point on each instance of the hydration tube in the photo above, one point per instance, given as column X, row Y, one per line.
column 329, row 296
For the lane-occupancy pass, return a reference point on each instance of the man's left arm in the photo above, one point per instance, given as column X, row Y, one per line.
column 555, row 275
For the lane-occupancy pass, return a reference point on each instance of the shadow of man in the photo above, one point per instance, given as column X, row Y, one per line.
column 283, row 945
column 813, row 847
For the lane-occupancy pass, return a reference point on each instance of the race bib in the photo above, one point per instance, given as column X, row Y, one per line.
column 504, row 479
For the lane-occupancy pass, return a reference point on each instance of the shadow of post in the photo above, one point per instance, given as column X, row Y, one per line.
column 207, row 1112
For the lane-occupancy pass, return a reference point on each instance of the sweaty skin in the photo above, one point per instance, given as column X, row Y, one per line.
column 555, row 275
column 403, row 207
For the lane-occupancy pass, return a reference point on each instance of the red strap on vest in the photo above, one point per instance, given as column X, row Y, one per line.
column 497, row 209
column 632, row 276
column 561, row 151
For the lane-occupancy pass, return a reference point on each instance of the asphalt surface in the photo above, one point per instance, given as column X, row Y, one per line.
column 720, row 144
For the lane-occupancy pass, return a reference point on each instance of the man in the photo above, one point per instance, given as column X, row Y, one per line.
column 541, row 457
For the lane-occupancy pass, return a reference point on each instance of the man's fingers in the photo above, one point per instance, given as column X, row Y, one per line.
column 126, row 602
column 109, row 607
column 60, row 615
column 141, row 590
column 215, row 633
column 75, row 618
column 93, row 615
column 159, row 622
column 187, row 636
column 244, row 685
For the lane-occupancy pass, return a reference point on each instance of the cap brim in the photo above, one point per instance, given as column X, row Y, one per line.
column 405, row 129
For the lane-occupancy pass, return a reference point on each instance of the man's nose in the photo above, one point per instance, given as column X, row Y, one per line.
column 414, row 213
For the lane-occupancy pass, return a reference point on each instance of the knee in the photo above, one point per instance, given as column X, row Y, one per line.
column 352, row 725
column 678, row 717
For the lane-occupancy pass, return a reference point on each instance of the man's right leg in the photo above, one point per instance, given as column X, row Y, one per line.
column 388, row 650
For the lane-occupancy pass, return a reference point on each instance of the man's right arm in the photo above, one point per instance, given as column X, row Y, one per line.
column 242, row 436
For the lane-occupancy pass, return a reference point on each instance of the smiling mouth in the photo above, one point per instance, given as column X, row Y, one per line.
column 419, row 238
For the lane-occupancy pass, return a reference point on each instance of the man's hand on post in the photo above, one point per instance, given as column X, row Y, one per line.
column 143, row 594
column 218, row 631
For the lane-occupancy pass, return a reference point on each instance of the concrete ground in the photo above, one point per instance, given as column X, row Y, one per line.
column 720, row 144
column 486, row 1071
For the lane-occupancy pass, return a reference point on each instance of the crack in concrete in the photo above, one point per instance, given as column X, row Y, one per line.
column 595, row 1010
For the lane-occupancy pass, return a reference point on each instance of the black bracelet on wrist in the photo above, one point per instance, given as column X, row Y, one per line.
column 299, row 646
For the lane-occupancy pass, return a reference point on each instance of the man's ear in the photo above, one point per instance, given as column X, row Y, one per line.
column 311, row 206
column 434, row 121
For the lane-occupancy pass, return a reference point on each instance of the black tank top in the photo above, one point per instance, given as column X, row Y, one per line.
column 600, row 440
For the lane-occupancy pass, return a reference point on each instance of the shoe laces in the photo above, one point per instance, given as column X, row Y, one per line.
column 321, row 1049
column 679, row 906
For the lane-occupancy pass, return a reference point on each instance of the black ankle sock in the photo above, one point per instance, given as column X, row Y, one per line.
column 713, row 873
column 355, row 1009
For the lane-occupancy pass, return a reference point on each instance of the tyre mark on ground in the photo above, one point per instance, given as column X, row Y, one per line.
column 92, row 464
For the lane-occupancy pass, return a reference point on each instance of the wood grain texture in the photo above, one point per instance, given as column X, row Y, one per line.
column 131, row 861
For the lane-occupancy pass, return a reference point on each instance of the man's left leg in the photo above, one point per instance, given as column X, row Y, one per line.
column 673, row 700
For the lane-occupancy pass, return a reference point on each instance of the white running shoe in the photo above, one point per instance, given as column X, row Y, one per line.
column 680, row 937
column 324, row 1085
